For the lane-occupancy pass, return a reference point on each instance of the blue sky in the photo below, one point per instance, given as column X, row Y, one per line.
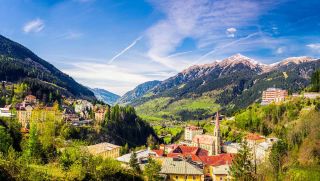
column 118, row 44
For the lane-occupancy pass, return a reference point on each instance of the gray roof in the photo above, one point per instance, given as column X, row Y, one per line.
column 140, row 155
column 182, row 167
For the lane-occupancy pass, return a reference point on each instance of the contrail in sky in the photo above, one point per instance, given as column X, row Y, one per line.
column 224, row 46
column 124, row 50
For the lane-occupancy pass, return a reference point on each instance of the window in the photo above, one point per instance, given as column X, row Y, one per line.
column 177, row 177
column 194, row 177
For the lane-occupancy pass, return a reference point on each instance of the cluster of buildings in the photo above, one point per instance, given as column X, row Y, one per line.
column 198, row 157
column 277, row 95
column 76, row 112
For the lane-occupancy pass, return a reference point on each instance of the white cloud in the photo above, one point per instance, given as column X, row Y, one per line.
column 33, row 26
column 201, row 20
column 280, row 50
column 111, row 77
column 118, row 78
column 231, row 32
column 314, row 46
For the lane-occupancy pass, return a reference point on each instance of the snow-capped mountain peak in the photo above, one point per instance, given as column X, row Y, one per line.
column 237, row 59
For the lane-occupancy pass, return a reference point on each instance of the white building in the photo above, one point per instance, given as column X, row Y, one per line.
column 231, row 148
column 191, row 131
column 273, row 95
column 5, row 112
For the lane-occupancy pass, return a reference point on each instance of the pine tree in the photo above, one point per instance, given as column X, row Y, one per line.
column 278, row 151
column 152, row 170
column 151, row 142
column 134, row 164
column 33, row 150
column 242, row 167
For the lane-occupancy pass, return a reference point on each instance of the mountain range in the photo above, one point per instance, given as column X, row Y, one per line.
column 105, row 96
column 20, row 65
column 227, row 85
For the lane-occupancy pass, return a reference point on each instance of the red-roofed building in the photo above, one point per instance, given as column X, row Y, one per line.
column 188, row 151
column 254, row 139
column 30, row 99
column 217, row 166
column 159, row 152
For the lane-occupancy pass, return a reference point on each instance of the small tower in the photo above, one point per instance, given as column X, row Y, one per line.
column 217, row 137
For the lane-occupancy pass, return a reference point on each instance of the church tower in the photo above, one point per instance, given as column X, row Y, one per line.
column 216, row 135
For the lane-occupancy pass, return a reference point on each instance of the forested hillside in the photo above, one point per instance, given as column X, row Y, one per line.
column 53, row 149
column 19, row 64
column 296, row 122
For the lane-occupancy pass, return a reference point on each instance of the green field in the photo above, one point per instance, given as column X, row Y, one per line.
column 166, row 108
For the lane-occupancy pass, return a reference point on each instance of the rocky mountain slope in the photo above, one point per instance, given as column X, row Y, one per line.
column 138, row 92
column 230, row 84
column 19, row 64
column 105, row 96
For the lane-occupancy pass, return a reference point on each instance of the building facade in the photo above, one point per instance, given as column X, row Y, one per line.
column 99, row 115
column 273, row 95
column 24, row 115
column 208, row 142
column 105, row 150
column 191, row 131
column 179, row 169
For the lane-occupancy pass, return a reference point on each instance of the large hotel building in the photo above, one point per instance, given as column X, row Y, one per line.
column 273, row 95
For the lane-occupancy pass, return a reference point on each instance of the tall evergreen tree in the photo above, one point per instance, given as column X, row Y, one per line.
column 134, row 164
column 243, row 167
column 33, row 151
column 152, row 170
column 277, row 153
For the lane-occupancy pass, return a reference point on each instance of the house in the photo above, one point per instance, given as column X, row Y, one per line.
column 211, row 143
column 5, row 111
column 176, row 169
column 261, row 150
column 273, row 95
column 99, row 115
column 260, row 146
column 105, row 150
column 82, row 105
column 191, row 131
column 142, row 156
column 69, row 115
column 229, row 147
column 192, row 152
column 254, row 139
column 81, row 122
column 311, row 95
column 24, row 115
column 217, row 167
column 167, row 148
column 30, row 99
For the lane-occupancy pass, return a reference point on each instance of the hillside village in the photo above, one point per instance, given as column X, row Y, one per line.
column 197, row 155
